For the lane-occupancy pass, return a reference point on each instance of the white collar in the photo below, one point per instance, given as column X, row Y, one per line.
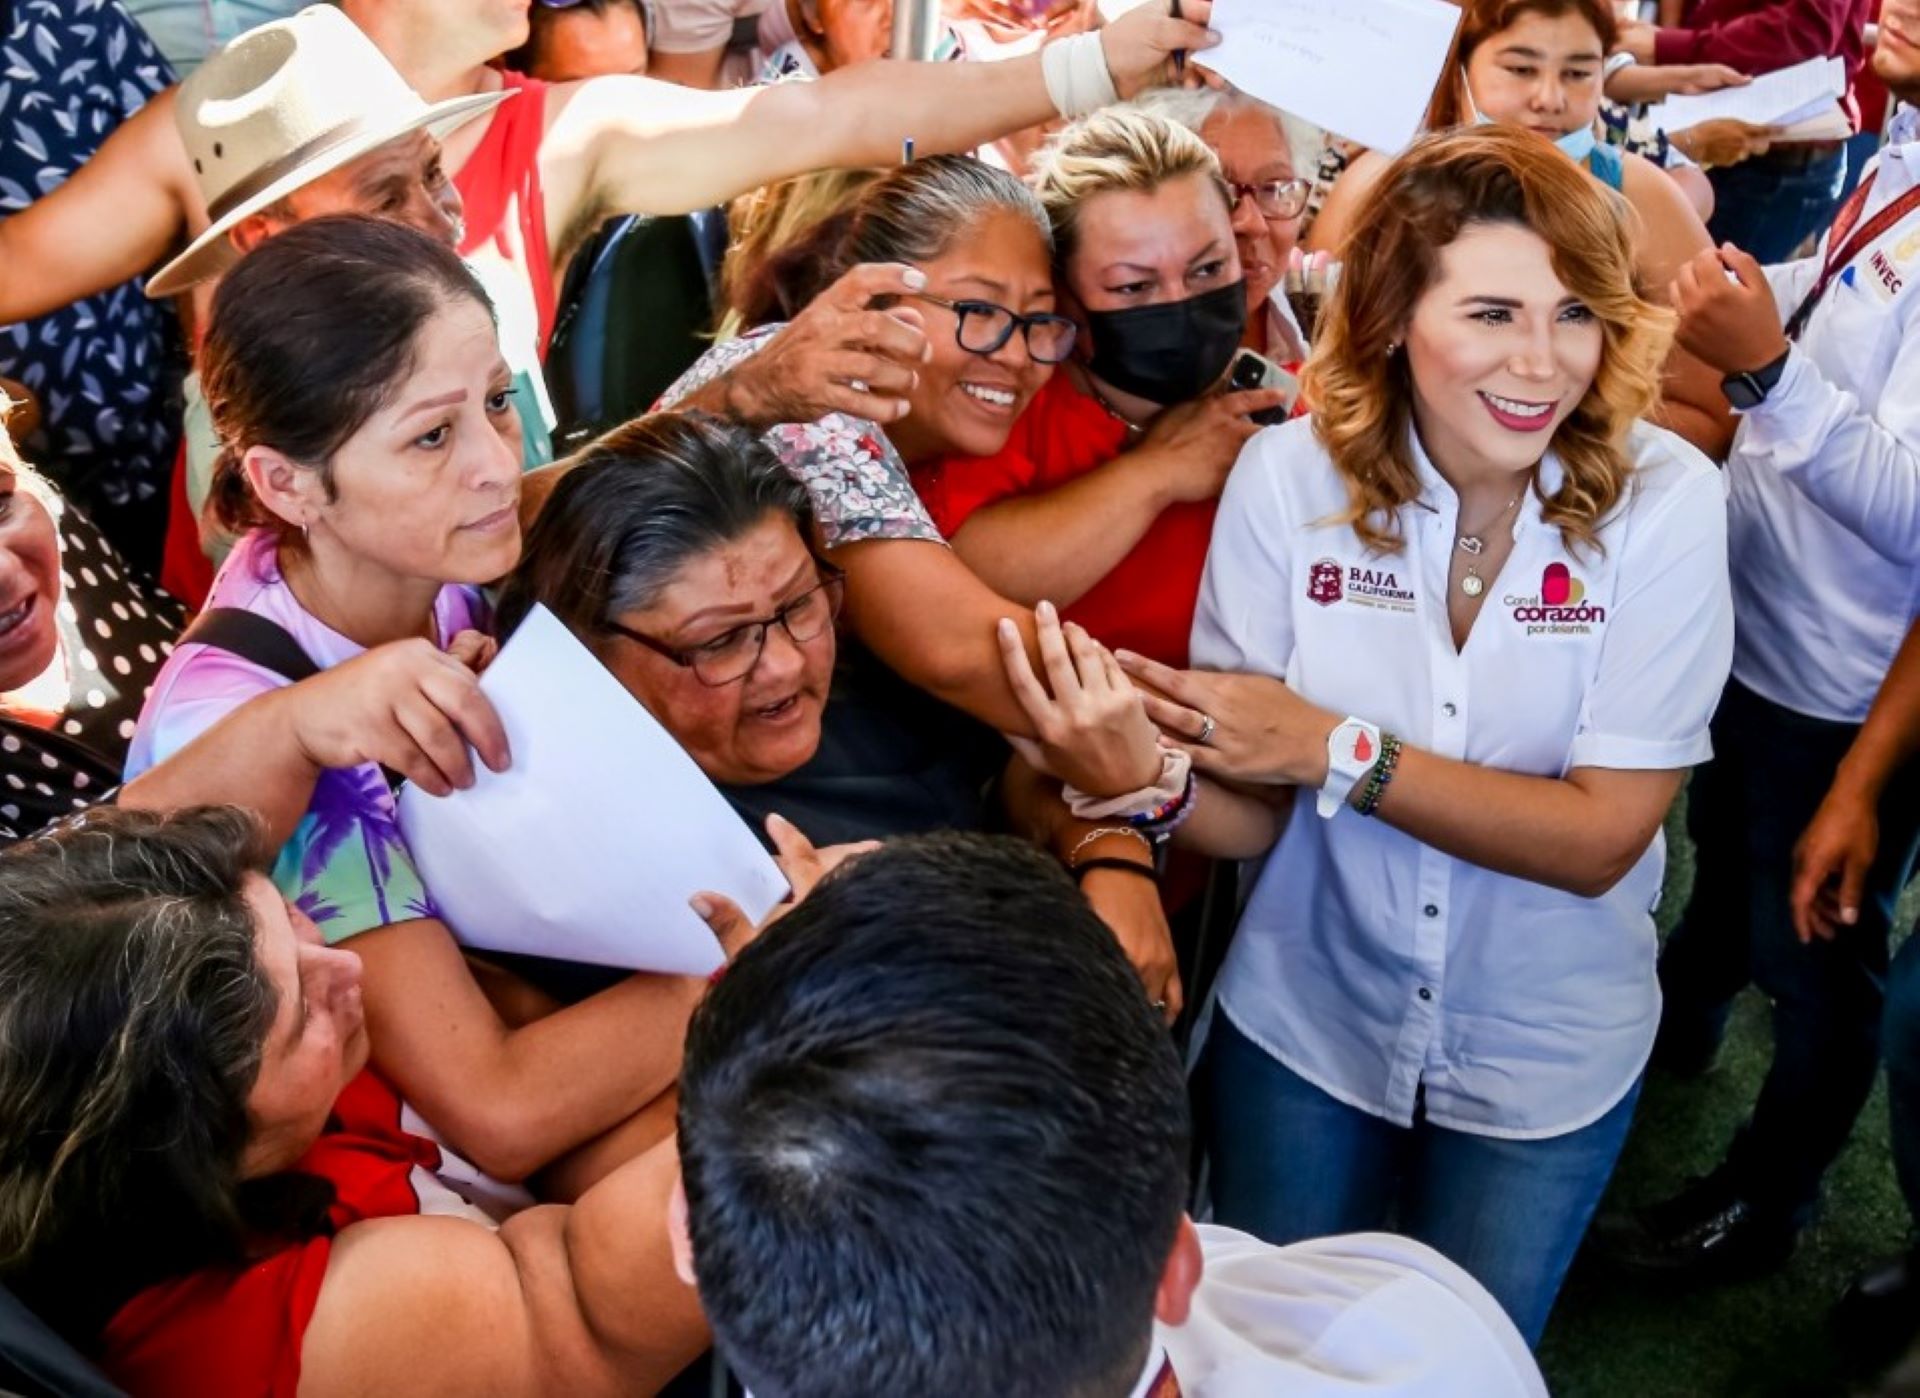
column 1904, row 129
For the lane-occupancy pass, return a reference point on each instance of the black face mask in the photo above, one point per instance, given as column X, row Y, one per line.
column 1172, row 352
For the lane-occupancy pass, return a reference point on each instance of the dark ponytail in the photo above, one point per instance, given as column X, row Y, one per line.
column 311, row 333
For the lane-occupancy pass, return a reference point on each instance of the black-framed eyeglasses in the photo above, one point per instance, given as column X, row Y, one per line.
column 982, row 328
column 730, row 657
column 1274, row 198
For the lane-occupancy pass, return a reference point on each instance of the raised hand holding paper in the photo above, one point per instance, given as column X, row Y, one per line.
column 1363, row 69
column 590, row 845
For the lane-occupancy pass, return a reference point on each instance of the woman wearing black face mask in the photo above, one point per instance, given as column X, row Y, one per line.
column 1102, row 500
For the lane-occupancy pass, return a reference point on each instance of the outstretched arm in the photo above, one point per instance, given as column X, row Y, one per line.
column 408, row 706
column 635, row 145
column 1057, row 544
column 579, row 1300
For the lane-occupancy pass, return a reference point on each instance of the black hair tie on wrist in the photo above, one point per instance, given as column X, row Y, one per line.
column 1087, row 866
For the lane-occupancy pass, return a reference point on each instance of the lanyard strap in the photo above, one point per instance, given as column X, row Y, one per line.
column 1165, row 1384
column 1842, row 249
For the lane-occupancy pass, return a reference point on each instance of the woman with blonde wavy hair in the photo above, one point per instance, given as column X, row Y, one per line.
column 1475, row 617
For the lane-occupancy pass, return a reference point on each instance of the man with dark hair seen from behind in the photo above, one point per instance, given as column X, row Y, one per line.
column 934, row 1141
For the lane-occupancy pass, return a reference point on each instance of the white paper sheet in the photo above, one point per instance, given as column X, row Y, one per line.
column 1363, row 69
column 1780, row 98
column 588, row 847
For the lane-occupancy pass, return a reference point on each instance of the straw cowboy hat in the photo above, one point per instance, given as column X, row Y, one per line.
column 278, row 108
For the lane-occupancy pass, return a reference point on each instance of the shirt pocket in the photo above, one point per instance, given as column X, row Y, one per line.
column 1853, row 324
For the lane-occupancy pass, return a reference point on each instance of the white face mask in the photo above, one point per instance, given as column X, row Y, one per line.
column 1578, row 144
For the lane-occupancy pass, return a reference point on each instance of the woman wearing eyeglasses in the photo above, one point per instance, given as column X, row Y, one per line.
column 1102, row 499
column 982, row 332
column 676, row 549
column 928, row 303
column 1269, row 200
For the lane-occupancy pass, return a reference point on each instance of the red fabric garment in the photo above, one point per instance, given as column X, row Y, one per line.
column 500, row 186
column 232, row 1332
column 1874, row 100
column 185, row 569
column 1146, row 602
column 1758, row 36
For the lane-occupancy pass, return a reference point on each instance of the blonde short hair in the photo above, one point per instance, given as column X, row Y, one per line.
column 1128, row 147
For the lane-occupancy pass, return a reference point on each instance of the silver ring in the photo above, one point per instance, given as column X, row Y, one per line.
column 1160, row 1006
column 1207, row 726
column 858, row 385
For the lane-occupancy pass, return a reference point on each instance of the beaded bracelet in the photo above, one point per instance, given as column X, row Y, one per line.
column 1382, row 774
column 1161, row 822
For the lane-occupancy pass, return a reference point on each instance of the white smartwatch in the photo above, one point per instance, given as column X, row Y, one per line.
column 1352, row 750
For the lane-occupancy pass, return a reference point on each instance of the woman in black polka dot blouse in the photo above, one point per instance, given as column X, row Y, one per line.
column 80, row 643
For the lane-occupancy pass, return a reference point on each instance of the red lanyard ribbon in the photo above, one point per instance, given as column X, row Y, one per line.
column 1166, row 1385
column 1842, row 249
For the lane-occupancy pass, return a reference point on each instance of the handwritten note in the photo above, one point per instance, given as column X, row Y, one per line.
column 589, row 846
column 1363, row 69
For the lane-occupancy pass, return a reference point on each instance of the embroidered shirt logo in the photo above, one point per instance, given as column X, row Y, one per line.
column 1887, row 281
column 1323, row 582
column 1330, row 581
column 1560, row 608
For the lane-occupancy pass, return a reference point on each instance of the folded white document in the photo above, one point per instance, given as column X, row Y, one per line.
column 588, row 847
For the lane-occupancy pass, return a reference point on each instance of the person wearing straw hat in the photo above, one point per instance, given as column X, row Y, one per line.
column 302, row 117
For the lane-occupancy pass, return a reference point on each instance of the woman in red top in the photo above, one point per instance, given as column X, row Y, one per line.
column 202, row 1183
column 1102, row 499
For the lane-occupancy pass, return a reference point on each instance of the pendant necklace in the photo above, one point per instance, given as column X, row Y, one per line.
column 1134, row 429
column 1474, row 545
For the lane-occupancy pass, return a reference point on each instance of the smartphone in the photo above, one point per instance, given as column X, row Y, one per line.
column 1250, row 370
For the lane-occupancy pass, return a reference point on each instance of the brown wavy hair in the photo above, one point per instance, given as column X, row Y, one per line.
column 1485, row 18
column 1441, row 186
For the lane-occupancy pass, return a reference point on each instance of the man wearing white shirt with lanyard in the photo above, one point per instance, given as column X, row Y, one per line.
column 1822, row 358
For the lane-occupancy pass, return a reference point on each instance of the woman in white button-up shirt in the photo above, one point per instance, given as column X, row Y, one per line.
column 1500, row 608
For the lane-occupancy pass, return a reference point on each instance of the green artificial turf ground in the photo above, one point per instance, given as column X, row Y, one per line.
column 1763, row 1339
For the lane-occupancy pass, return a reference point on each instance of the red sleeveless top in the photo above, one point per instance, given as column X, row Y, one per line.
column 236, row 1332
column 500, row 186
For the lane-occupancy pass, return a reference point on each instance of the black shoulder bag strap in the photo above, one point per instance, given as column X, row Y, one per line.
column 252, row 637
